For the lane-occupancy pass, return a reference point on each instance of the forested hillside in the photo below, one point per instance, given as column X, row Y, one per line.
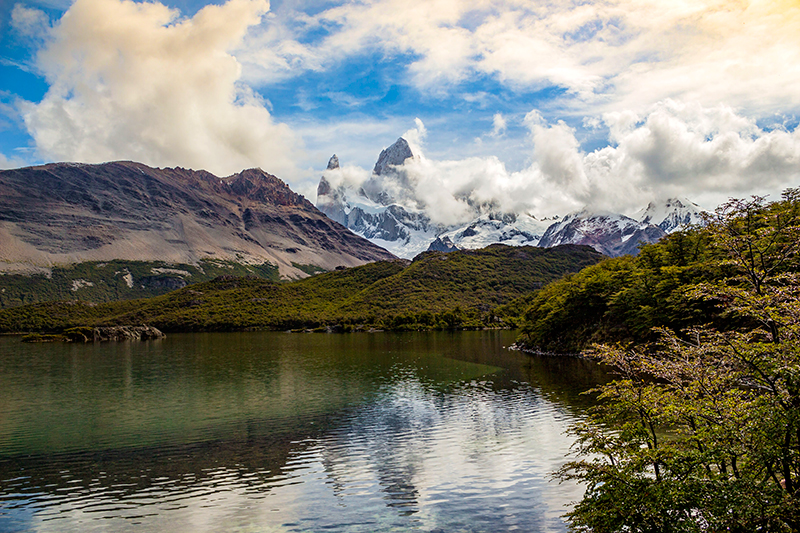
column 108, row 281
column 622, row 299
column 436, row 290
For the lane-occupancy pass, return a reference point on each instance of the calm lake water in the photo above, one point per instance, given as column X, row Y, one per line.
column 277, row 432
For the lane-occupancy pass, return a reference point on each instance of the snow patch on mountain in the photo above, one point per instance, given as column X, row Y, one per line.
column 672, row 214
column 609, row 233
column 510, row 229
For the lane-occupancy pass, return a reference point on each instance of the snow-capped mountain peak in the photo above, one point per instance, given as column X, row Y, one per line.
column 609, row 233
column 333, row 162
column 331, row 200
column 389, row 183
column 671, row 214
column 379, row 210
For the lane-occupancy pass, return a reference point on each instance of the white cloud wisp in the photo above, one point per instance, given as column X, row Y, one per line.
column 616, row 54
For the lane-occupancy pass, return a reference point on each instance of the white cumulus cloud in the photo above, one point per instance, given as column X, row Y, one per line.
column 136, row 81
column 682, row 149
column 29, row 22
column 499, row 125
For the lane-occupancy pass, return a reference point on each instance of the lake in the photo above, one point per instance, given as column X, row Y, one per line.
column 278, row 432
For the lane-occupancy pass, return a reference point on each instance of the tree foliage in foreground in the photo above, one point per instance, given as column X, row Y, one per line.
column 701, row 430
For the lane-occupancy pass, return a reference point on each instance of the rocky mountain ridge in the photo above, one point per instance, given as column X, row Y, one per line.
column 384, row 211
column 66, row 213
column 609, row 234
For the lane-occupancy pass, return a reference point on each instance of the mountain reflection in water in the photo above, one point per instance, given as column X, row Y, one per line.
column 286, row 432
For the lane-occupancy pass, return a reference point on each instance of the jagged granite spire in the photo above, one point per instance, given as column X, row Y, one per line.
column 395, row 155
column 333, row 162
column 331, row 200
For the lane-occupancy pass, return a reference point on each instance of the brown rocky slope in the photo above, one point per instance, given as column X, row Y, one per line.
column 65, row 213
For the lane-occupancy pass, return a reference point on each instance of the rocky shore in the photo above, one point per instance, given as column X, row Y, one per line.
column 100, row 334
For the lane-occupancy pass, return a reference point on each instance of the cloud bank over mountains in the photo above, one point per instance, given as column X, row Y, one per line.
column 675, row 150
column 607, row 103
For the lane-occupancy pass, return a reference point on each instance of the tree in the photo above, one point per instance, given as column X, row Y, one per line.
column 701, row 430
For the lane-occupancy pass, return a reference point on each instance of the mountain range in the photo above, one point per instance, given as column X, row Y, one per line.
column 121, row 230
column 385, row 210
column 68, row 213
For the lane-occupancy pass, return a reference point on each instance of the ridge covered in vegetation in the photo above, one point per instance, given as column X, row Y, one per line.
column 108, row 281
column 436, row 290
column 622, row 299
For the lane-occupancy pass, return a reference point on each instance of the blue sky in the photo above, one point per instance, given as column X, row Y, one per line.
column 610, row 103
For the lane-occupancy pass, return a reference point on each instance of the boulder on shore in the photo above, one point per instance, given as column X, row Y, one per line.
column 127, row 333
column 113, row 333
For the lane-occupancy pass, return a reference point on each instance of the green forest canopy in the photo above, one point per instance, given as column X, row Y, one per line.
column 622, row 299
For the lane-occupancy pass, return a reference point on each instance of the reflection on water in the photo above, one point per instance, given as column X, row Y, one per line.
column 286, row 432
